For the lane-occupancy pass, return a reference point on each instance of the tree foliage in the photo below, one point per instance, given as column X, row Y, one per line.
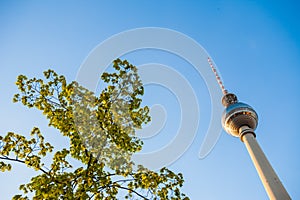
column 101, row 133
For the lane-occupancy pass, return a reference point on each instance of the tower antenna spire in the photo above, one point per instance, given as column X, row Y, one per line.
column 217, row 76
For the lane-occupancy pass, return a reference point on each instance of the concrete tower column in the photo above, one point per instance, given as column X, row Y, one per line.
column 268, row 177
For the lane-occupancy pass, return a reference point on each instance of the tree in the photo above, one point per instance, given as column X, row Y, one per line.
column 101, row 132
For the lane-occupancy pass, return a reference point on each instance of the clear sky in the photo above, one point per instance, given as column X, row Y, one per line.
column 255, row 44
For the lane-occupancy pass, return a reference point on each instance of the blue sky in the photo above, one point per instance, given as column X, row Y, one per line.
column 255, row 44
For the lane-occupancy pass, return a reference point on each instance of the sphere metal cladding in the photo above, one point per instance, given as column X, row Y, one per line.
column 237, row 115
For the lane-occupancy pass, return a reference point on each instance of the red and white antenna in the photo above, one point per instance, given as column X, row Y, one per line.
column 217, row 76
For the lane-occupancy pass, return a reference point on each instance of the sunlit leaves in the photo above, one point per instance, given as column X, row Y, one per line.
column 28, row 151
column 5, row 166
column 101, row 130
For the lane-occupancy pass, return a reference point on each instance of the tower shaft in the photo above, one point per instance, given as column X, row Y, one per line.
column 269, row 178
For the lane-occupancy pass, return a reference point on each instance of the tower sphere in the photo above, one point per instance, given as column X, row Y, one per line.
column 237, row 115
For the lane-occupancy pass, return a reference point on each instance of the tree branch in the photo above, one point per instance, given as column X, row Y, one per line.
column 131, row 190
column 22, row 161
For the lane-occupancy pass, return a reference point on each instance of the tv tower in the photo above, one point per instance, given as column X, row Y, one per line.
column 240, row 120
